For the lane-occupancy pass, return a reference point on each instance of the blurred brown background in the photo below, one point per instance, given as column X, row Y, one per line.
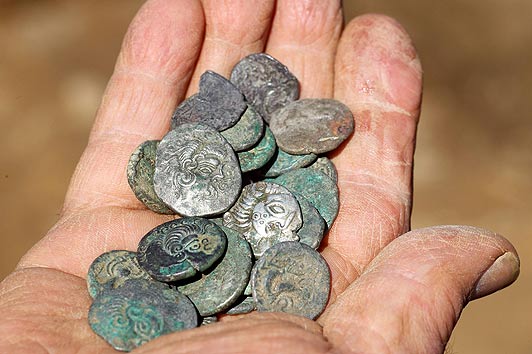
column 474, row 153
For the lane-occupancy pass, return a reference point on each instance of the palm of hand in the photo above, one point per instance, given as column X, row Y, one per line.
column 400, row 296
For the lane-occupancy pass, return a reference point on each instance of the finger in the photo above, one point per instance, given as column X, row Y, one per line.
column 304, row 37
column 152, row 72
column 410, row 297
column 234, row 29
column 378, row 75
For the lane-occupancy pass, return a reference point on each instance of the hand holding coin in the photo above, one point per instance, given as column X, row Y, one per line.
column 392, row 289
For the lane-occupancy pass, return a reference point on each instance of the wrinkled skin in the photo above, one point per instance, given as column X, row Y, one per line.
column 390, row 294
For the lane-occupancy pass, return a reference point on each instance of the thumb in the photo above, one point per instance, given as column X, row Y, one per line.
column 411, row 295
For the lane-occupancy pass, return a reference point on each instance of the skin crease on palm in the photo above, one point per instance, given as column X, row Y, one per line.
column 393, row 290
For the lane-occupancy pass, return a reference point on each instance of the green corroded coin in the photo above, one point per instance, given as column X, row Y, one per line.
column 291, row 277
column 140, row 169
column 196, row 171
column 138, row 312
column 245, row 305
column 316, row 187
column 246, row 132
column 326, row 166
column 313, row 229
column 258, row 156
column 285, row 162
column 266, row 213
column 181, row 248
column 112, row 269
column 218, row 289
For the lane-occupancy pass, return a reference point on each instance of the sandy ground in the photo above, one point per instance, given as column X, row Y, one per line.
column 473, row 159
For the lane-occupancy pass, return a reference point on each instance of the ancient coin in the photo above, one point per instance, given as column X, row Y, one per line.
column 180, row 248
column 313, row 229
column 218, row 104
column 265, row 214
column 112, row 269
column 138, row 312
column 266, row 83
column 326, row 166
column 284, row 162
column 259, row 155
column 209, row 320
column 316, row 187
column 219, row 288
column 196, row 171
column 246, row 132
column 245, row 305
column 311, row 125
column 291, row 277
column 247, row 290
column 140, row 169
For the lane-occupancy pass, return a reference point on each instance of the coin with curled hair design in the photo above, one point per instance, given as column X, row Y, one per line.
column 266, row 83
column 196, row 171
column 112, row 269
column 138, row 312
column 291, row 277
column 181, row 248
column 265, row 213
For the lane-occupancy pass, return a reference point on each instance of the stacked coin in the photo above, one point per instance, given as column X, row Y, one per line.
column 241, row 165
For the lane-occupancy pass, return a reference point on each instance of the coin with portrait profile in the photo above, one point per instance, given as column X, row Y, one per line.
column 181, row 248
column 265, row 214
column 139, row 311
column 196, row 171
column 291, row 277
column 112, row 269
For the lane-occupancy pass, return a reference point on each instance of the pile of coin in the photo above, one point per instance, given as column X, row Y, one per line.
column 241, row 166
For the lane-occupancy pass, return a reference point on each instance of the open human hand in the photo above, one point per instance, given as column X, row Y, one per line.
column 393, row 290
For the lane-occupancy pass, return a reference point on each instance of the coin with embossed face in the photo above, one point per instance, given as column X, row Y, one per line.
column 219, row 288
column 265, row 214
column 112, row 269
column 291, row 277
column 140, row 169
column 246, row 132
column 180, row 248
column 218, row 104
column 138, row 312
column 196, row 171
column 266, row 83
column 311, row 125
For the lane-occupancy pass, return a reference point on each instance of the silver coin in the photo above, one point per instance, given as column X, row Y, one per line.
column 138, row 312
column 266, row 214
column 220, row 287
column 311, row 125
column 196, row 171
column 218, row 104
column 266, row 83
column 291, row 277
column 112, row 269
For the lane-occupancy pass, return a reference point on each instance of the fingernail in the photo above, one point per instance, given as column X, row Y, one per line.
column 503, row 272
